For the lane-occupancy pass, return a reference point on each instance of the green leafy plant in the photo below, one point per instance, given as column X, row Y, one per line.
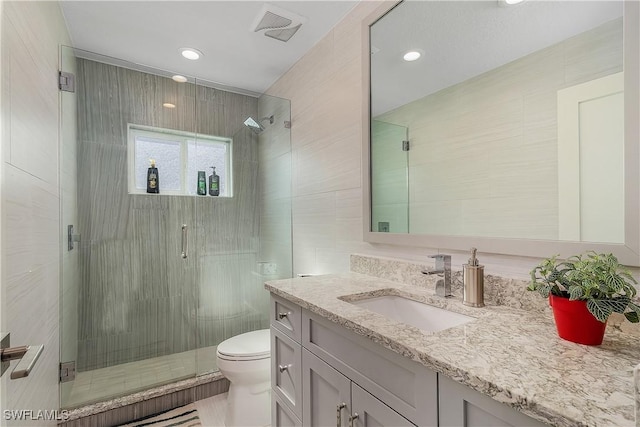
column 598, row 279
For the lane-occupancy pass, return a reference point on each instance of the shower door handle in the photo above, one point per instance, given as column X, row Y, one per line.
column 185, row 242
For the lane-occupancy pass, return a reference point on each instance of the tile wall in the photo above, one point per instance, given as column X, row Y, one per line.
column 31, row 34
column 138, row 297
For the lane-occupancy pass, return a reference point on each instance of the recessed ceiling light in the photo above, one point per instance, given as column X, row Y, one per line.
column 412, row 55
column 168, row 105
column 509, row 2
column 190, row 53
column 178, row 78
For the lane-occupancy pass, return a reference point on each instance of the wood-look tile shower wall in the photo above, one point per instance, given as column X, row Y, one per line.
column 138, row 297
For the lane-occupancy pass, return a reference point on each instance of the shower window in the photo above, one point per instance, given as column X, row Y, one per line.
column 179, row 156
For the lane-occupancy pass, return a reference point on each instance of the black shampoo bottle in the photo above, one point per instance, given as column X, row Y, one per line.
column 152, row 178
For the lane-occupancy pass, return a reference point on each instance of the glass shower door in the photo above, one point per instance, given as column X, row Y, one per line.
column 244, row 234
column 128, row 294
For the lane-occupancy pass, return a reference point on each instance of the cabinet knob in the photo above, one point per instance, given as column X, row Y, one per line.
column 283, row 315
column 283, row 368
column 352, row 418
column 339, row 409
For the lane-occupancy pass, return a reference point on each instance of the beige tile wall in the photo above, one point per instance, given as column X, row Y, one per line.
column 325, row 89
column 326, row 93
column 31, row 34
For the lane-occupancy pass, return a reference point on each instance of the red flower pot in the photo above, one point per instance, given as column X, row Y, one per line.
column 574, row 321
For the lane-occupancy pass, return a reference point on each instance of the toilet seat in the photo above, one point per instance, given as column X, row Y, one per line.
column 249, row 346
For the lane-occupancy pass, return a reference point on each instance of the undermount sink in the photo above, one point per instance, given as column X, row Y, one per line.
column 422, row 316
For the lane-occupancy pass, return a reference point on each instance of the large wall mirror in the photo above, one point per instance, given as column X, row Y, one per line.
column 515, row 129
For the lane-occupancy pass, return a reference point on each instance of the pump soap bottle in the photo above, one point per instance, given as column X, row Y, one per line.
column 214, row 183
column 202, row 183
column 153, row 181
column 473, row 279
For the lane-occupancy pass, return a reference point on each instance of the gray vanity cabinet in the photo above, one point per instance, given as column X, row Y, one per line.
column 373, row 413
column 460, row 406
column 281, row 415
column 318, row 365
column 326, row 400
column 286, row 363
column 330, row 398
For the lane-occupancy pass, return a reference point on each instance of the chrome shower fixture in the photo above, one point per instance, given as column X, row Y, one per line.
column 256, row 125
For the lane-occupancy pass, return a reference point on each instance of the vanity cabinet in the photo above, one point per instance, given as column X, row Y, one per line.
column 460, row 406
column 286, row 371
column 405, row 386
column 317, row 366
column 281, row 415
column 330, row 399
column 286, row 363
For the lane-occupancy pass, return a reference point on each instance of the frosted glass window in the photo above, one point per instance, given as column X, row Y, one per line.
column 167, row 157
column 202, row 156
column 178, row 156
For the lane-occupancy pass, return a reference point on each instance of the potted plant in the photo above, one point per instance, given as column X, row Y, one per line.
column 583, row 291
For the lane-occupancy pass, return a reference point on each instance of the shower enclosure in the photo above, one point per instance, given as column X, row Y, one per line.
column 152, row 283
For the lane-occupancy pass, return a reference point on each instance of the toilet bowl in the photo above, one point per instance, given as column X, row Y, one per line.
column 245, row 361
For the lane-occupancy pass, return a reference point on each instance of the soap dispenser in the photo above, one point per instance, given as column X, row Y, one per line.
column 473, row 279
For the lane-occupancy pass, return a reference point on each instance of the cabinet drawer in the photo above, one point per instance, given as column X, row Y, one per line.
column 406, row 386
column 286, row 370
column 281, row 415
column 286, row 316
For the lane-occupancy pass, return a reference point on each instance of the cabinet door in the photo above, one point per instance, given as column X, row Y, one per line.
column 373, row 413
column 326, row 395
column 281, row 415
column 286, row 370
column 461, row 406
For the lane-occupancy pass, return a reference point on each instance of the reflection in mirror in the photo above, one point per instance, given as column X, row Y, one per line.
column 514, row 115
column 390, row 186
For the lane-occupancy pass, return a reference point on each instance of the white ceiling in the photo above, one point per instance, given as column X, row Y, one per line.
column 462, row 39
column 151, row 33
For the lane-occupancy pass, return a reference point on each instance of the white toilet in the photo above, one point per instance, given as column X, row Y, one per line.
column 245, row 361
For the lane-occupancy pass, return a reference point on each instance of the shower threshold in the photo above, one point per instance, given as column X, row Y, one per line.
column 103, row 384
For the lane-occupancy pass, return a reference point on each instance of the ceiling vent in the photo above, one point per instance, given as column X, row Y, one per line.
column 277, row 23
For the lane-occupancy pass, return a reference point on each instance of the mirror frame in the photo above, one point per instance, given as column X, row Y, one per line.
column 628, row 253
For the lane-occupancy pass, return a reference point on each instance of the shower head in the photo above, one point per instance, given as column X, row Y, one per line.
column 256, row 125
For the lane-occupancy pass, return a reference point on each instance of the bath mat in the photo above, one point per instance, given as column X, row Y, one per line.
column 185, row 416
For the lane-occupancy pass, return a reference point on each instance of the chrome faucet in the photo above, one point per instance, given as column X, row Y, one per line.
column 443, row 269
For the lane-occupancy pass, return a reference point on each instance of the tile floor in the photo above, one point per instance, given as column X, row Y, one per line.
column 211, row 410
column 106, row 383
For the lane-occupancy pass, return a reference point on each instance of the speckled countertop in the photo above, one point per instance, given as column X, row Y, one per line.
column 514, row 356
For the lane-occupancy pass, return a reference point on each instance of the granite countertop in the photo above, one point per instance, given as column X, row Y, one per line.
column 514, row 356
